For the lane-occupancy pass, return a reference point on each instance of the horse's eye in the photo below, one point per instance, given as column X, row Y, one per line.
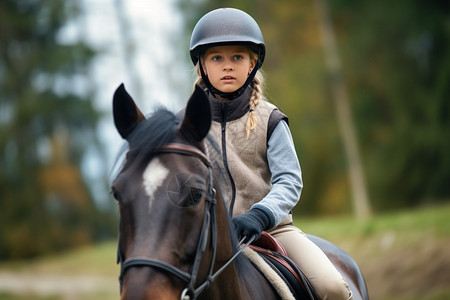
column 114, row 193
column 196, row 195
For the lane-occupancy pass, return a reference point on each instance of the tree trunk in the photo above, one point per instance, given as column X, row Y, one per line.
column 360, row 198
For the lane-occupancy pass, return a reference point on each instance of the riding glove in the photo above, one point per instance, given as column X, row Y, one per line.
column 251, row 223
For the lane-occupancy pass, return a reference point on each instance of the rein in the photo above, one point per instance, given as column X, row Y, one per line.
column 209, row 224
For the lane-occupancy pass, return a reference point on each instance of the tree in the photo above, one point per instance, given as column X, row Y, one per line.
column 45, row 202
column 398, row 68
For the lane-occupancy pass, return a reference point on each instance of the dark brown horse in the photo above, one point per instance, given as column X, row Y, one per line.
column 175, row 238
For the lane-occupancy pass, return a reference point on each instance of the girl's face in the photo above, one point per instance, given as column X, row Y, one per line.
column 228, row 67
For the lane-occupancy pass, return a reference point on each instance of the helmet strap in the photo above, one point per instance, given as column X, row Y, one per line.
column 232, row 95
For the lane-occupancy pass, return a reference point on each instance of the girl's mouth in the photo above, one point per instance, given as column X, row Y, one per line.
column 227, row 78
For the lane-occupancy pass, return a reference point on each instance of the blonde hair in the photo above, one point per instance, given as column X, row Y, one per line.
column 257, row 86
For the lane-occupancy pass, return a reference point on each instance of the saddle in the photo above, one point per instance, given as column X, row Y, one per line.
column 275, row 256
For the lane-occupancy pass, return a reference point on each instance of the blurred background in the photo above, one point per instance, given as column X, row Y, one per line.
column 365, row 84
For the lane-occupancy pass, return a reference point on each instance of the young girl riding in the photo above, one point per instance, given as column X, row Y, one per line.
column 256, row 147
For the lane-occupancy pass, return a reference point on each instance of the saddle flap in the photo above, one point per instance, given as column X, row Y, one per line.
column 266, row 241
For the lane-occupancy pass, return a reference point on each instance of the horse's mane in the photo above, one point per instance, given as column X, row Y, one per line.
column 159, row 128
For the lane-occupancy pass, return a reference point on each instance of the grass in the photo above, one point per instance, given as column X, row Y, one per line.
column 403, row 256
column 97, row 260
column 430, row 220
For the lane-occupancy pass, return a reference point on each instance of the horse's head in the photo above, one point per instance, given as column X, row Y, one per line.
column 165, row 192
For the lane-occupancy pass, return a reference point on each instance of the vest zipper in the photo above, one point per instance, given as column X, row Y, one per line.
column 224, row 157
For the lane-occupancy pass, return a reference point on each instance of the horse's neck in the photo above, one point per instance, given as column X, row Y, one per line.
column 240, row 280
column 227, row 284
column 225, row 287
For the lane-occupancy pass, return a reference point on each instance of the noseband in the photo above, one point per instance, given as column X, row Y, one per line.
column 190, row 292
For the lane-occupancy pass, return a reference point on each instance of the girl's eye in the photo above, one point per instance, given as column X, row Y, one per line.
column 216, row 58
column 237, row 57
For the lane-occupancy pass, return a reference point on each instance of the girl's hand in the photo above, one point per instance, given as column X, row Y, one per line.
column 251, row 223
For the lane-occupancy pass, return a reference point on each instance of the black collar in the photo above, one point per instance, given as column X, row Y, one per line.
column 225, row 111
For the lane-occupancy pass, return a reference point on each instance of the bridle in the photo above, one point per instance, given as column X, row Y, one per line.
column 190, row 292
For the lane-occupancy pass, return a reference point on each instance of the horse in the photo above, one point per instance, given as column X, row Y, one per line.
column 176, row 239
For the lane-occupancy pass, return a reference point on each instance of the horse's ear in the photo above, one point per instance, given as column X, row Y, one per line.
column 126, row 114
column 197, row 118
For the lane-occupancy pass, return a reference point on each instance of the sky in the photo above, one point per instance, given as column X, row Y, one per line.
column 143, row 53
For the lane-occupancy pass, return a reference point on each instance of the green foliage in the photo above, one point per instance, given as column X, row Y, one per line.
column 47, row 121
column 396, row 63
column 397, row 60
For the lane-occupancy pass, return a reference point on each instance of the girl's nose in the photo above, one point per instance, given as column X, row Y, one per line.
column 227, row 67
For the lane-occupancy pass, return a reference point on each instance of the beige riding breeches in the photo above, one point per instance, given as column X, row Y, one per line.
column 328, row 283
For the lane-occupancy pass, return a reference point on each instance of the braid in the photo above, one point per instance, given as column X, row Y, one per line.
column 252, row 119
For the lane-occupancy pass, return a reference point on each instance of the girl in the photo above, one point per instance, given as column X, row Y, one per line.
column 257, row 150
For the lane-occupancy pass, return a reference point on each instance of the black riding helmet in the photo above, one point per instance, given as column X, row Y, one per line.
column 227, row 26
